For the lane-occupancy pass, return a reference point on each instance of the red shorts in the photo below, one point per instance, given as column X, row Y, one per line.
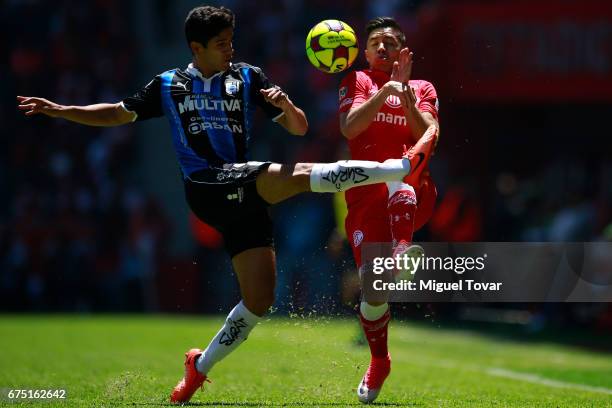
column 367, row 220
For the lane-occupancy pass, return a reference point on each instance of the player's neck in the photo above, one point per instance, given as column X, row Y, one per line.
column 205, row 70
column 380, row 71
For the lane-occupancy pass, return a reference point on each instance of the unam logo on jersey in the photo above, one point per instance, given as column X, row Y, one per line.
column 393, row 101
column 190, row 104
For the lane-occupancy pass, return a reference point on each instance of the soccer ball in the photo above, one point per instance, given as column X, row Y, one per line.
column 331, row 46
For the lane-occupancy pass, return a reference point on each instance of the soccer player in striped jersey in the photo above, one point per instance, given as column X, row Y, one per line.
column 210, row 106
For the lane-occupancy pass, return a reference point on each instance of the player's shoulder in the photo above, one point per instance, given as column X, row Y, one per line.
column 421, row 84
column 171, row 75
column 362, row 74
column 356, row 76
column 239, row 66
column 173, row 71
column 248, row 72
column 167, row 77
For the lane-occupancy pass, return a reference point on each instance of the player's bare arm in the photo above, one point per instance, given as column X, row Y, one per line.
column 356, row 120
column 402, row 70
column 293, row 119
column 101, row 114
column 417, row 120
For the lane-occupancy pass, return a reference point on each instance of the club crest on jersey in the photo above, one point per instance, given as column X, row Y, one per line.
column 232, row 86
column 393, row 101
column 342, row 92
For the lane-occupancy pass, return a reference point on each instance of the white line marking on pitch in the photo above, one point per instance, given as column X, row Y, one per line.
column 536, row 379
column 515, row 375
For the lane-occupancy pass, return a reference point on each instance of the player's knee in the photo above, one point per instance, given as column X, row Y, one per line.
column 302, row 169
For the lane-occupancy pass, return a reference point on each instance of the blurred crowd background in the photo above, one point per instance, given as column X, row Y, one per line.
column 94, row 219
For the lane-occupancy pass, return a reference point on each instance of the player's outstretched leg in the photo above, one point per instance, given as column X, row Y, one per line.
column 346, row 174
column 419, row 155
column 281, row 181
column 375, row 323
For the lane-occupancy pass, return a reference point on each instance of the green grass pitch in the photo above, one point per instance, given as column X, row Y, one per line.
column 136, row 360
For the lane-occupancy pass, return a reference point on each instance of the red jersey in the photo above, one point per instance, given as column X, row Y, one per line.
column 389, row 132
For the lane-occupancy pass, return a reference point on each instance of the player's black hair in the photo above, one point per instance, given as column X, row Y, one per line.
column 205, row 22
column 384, row 22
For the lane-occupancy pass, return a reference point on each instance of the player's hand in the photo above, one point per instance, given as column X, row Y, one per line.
column 402, row 68
column 276, row 97
column 32, row 106
column 397, row 89
column 409, row 95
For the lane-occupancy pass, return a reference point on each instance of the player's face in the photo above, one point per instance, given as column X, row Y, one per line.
column 383, row 48
column 219, row 51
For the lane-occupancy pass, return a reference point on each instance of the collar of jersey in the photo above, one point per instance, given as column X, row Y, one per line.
column 193, row 71
column 382, row 74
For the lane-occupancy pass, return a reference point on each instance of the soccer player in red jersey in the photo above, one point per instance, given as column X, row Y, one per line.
column 381, row 111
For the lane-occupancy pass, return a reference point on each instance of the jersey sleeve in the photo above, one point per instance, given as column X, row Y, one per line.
column 428, row 99
column 147, row 102
column 352, row 92
column 261, row 81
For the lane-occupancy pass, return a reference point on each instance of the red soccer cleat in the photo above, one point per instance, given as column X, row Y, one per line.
column 193, row 379
column 419, row 155
column 373, row 380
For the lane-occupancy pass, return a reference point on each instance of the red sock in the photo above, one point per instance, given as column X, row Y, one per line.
column 376, row 334
column 401, row 208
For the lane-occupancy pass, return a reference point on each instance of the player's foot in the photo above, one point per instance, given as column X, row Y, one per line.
column 410, row 265
column 191, row 382
column 419, row 155
column 373, row 380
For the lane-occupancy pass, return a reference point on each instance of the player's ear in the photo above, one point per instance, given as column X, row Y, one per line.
column 196, row 47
